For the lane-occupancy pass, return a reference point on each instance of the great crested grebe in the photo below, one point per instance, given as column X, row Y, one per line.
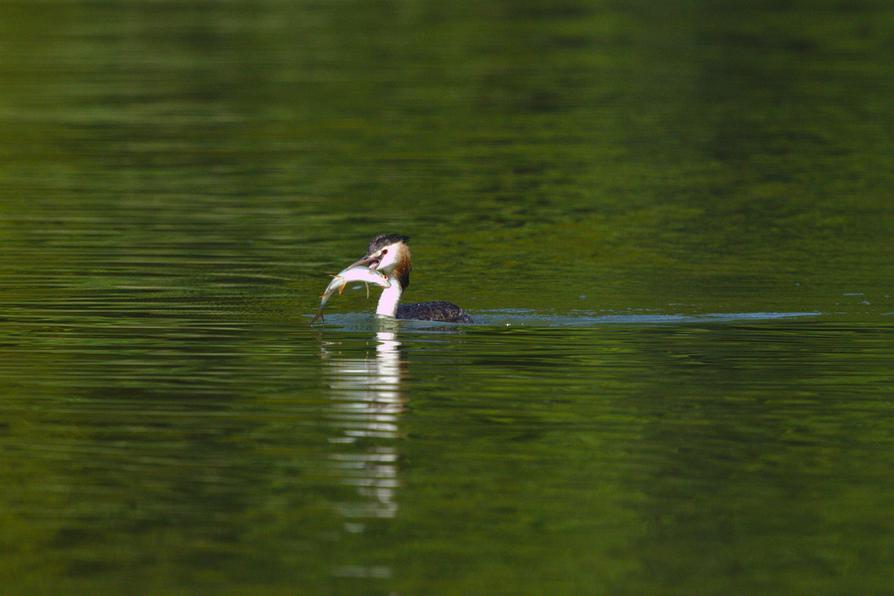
column 390, row 254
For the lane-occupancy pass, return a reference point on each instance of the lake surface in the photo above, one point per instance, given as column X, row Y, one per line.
column 672, row 223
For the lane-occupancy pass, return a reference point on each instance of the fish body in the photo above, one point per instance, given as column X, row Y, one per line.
column 354, row 273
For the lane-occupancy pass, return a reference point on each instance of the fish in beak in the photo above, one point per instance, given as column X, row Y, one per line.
column 346, row 276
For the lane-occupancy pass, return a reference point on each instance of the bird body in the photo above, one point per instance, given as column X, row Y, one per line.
column 389, row 255
column 438, row 310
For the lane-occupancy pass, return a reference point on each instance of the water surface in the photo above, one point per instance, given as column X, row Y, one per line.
column 671, row 224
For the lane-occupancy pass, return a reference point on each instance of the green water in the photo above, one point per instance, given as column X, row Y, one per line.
column 671, row 221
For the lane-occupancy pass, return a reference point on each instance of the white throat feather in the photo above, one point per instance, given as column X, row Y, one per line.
column 390, row 298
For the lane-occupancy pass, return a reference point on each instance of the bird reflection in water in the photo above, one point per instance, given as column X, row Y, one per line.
column 366, row 404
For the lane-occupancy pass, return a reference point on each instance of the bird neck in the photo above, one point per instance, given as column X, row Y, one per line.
column 390, row 298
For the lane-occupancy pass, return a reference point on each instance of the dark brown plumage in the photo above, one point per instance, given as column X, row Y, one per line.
column 433, row 311
column 384, row 240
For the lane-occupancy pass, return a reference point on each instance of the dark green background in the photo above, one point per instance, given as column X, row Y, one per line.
column 672, row 220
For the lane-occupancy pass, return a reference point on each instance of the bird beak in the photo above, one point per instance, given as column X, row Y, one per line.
column 366, row 261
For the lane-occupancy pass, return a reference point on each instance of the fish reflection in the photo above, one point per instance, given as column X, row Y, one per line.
column 366, row 405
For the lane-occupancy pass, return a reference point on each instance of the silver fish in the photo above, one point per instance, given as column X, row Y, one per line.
column 351, row 274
